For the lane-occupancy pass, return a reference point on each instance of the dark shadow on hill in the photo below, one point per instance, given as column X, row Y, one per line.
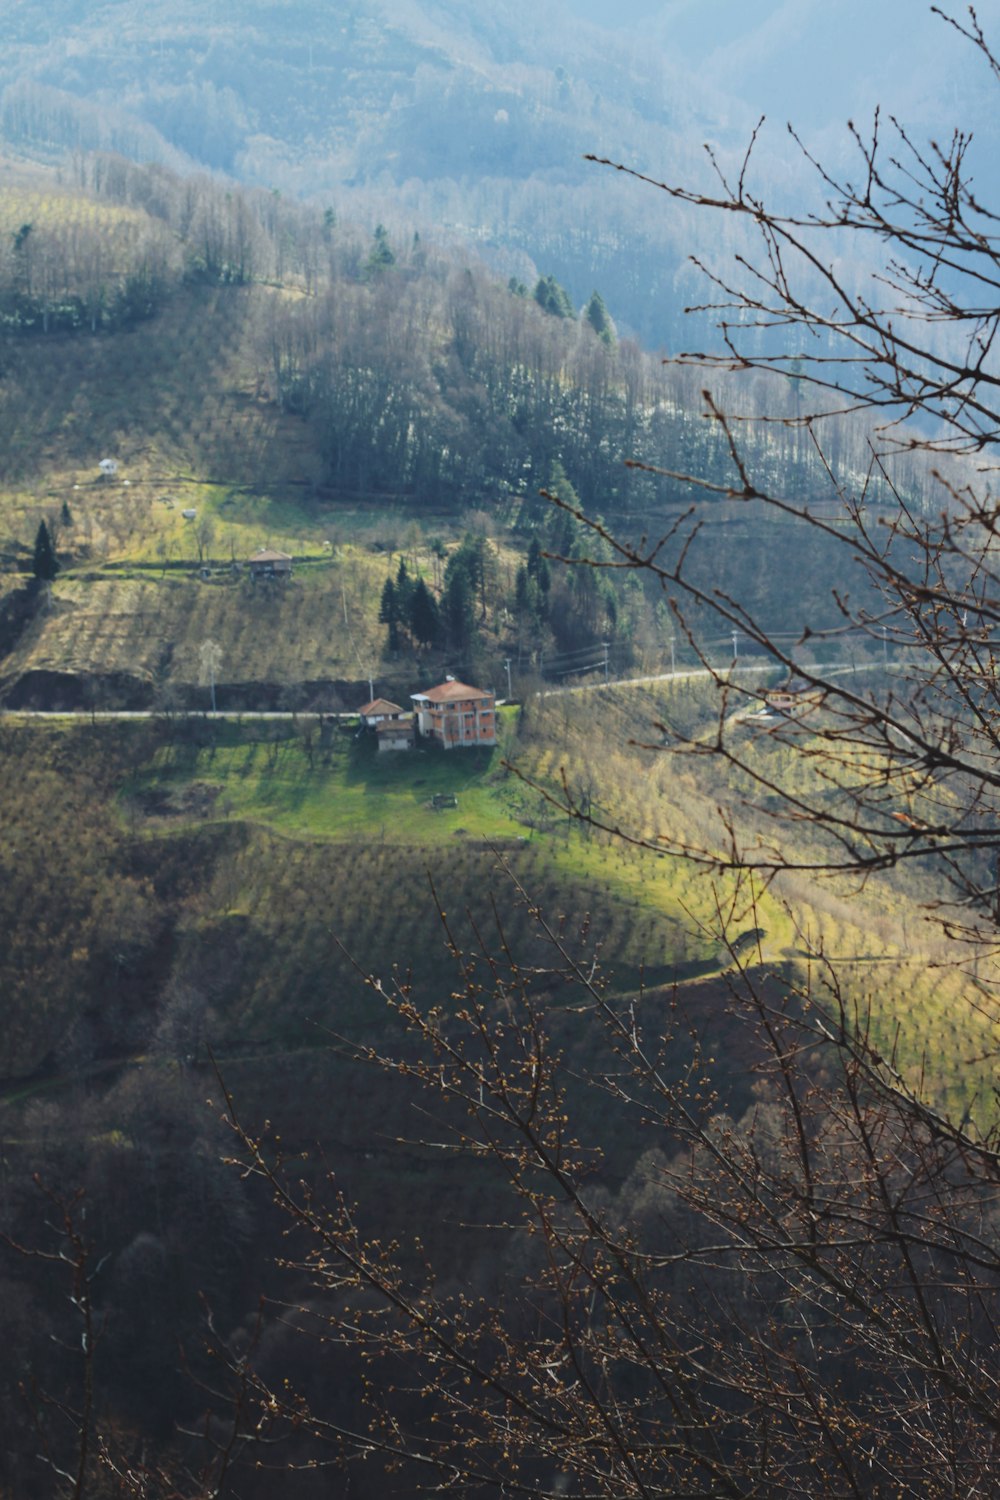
column 428, row 769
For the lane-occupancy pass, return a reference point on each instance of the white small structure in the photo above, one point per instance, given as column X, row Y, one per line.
column 378, row 711
column 396, row 734
column 189, row 514
column 108, row 468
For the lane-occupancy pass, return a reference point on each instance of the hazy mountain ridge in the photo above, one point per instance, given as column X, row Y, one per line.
column 471, row 115
column 471, row 122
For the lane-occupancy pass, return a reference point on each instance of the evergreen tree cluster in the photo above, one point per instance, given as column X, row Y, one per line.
column 408, row 605
column 531, row 591
column 588, row 602
column 409, row 608
column 553, row 298
column 576, row 606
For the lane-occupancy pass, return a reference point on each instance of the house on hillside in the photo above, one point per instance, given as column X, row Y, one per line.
column 792, row 696
column 456, row 715
column 269, row 564
column 379, row 711
column 108, row 468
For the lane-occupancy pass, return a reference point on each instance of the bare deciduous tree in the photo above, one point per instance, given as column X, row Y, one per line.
column 904, row 753
column 794, row 1293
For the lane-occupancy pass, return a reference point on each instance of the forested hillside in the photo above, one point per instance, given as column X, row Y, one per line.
column 262, row 374
column 470, row 123
column 179, row 886
column 262, row 913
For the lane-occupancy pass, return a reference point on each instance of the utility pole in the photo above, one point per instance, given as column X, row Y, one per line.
column 736, row 645
column 885, row 646
column 605, row 645
column 510, row 690
column 673, row 664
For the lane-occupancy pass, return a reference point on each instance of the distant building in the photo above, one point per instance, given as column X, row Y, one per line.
column 792, row 695
column 456, row 715
column 270, row 564
column 379, row 711
column 108, row 467
column 396, row 734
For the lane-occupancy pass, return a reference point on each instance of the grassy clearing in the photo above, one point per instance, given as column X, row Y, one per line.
column 236, row 869
column 149, row 623
column 51, row 206
column 344, row 792
column 897, row 973
column 652, row 913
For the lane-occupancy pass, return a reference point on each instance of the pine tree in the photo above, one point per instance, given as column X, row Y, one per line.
column 538, row 567
column 380, row 256
column 563, row 528
column 45, row 564
column 553, row 298
column 459, row 608
column 424, row 616
column 597, row 315
column 388, row 612
column 404, row 592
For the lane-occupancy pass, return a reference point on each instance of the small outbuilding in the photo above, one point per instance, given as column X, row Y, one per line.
column 396, row 734
column 792, row 696
column 267, row 563
column 108, row 468
column 379, row 711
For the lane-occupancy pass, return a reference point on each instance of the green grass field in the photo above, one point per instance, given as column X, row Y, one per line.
column 243, row 862
column 343, row 790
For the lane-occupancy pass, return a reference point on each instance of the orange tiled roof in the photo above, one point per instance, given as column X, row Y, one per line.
column 450, row 692
column 379, row 706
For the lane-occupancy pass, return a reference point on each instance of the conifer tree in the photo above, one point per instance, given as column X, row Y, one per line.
column 404, row 591
column 597, row 315
column 459, row 606
column 563, row 528
column 424, row 616
column 380, row 256
column 553, row 298
column 388, row 612
column 45, row 564
column 538, row 567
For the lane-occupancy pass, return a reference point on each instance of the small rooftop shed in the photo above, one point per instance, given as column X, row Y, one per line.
column 267, row 563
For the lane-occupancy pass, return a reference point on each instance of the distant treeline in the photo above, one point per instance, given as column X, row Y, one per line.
column 422, row 373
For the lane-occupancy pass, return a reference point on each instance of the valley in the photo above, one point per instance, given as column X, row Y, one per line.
column 717, row 901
